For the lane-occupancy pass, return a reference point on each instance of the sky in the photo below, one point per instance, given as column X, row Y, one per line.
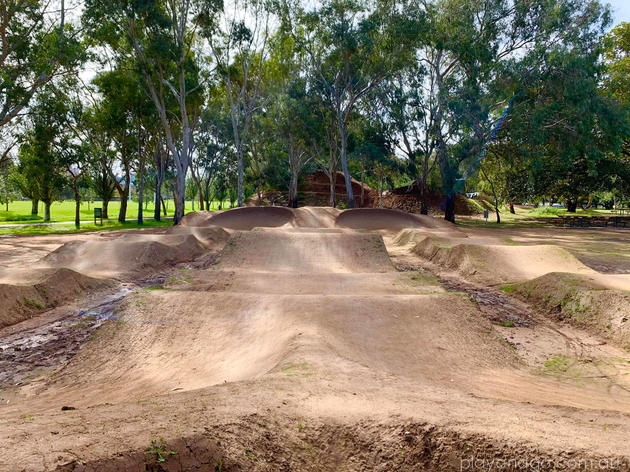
column 620, row 10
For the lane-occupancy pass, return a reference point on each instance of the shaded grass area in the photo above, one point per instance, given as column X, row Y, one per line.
column 110, row 225
column 20, row 211
column 527, row 217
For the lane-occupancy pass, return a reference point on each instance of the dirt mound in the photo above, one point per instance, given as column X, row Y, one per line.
column 499, row 264
column 247, row 218
column 197, row 218
column 208, row 236
column 314, row 190
column 306, row 251
column 407, row 198
column 336, row 446
column 414, row 236
column 581, row 301
column 55, row 286
column 302, row 348
column 127, row 256
column 383, row 219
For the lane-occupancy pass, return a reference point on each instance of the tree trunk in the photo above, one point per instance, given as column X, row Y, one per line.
column 293, row 198
column 333, row 182
column 180, row 197
column 197, row 181
column 140, row 198
column 105, row 205
column 571, row 206
column 240, row 175
column 344, row 162
column 424, row 208
column 34, row 207
column 122, row 214
column 77, row 211
column 77, row 207
column 47, row 211
column 165, row 213
column 380, row 191
column 362, row 183
column 207, row 194
column 159, row 179
column 449, row 209
column 512, row 208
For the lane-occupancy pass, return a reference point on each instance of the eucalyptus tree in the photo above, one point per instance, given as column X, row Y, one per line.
column 114, row 114
column 103, row 185
column 37, row 45
column 25, row 184
column 375, row 154
column 211, row 146
column 72, row 142
column 568, row 130
column 617, row 77
column 97, row 143
column 39, row 163
column 352, row 46
column 405, row 106
column 164, row 38
column 240, row 49
column 9, row 137
column 467, row 53
column 9, row 191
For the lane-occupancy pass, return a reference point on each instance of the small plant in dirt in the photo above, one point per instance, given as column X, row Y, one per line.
column 153, row 288
column 33, row 304
column 508, row 288
column 557, row 364
column 507, row 323
column 159, row 449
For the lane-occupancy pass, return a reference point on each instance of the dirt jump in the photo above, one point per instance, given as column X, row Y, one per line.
column 315, row 339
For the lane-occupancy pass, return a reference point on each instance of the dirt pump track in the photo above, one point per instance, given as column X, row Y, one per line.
column 312, row 339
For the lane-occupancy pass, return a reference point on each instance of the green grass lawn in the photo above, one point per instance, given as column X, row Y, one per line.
column 527, row 216
column 20, row 211
column 111, row 225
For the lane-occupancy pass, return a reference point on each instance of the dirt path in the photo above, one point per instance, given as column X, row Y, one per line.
column 321, row 349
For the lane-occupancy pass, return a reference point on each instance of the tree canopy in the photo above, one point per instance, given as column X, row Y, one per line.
column 208, row 99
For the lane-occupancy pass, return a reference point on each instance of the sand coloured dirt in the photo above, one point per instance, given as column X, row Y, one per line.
column 308, row 342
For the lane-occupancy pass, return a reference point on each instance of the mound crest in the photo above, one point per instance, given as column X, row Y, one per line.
column 315, row 251
column 582, row 301
column 129, row 255
column 197, row 218
column 247, row 218
column 56, row 286
column 499, row 264
column 383, row 219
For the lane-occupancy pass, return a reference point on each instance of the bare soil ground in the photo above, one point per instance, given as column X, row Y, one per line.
column 314, row 339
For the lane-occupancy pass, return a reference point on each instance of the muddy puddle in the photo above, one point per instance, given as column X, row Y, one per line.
column 497, row 307
column 23, row 352
column 54, row 342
